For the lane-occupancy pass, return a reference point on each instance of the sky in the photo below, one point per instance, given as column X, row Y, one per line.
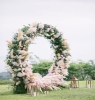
column 74, row 18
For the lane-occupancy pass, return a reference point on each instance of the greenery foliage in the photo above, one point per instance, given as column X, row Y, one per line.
column 19, row 88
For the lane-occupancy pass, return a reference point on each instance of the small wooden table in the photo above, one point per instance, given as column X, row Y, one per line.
column 74, row 83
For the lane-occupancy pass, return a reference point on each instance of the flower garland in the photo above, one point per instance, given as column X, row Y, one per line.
column 18, row 51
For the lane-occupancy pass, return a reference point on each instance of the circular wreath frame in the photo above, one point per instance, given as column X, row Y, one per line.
column 18, row 52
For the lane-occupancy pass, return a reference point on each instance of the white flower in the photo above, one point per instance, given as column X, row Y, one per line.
column 48, row 29
column 11, row 71
column 20, row 44
column 11, row 53
column 52, row 39
column 17, row 82
column 15, row 69
column 13, row 75
column 24, row 74
column 47, row 34
column 41, row 26
column 19, row 69
column 56, row 46
column 52, row 30
column 57, row 35
column 65, row 51
column 26, row 81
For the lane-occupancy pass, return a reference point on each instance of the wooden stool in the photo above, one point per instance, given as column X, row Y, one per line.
column 89, row 83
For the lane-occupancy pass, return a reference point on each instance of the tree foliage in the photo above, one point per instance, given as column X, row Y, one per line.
column 82, row 70
column 42, row 67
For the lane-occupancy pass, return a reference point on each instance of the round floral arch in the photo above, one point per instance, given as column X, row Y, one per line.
column 18, row 55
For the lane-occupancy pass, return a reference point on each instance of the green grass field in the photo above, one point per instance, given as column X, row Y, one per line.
column 81, row 93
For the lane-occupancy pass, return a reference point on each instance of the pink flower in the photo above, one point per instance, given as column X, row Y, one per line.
column 51, row 26
column 15, row 63
column 49, row 74
column 48, row 29
column 65, row 72
column 23, row 52
column 66, row 65
column 41, row 26
column 20, row 74
column 28, row 70
column 20, row 57
column 31, row 29
column 30, row 40
column 28, row 74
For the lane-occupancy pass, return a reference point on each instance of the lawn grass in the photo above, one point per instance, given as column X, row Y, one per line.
column 81, row 93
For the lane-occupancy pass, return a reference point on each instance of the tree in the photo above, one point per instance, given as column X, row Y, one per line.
column 42, row 67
